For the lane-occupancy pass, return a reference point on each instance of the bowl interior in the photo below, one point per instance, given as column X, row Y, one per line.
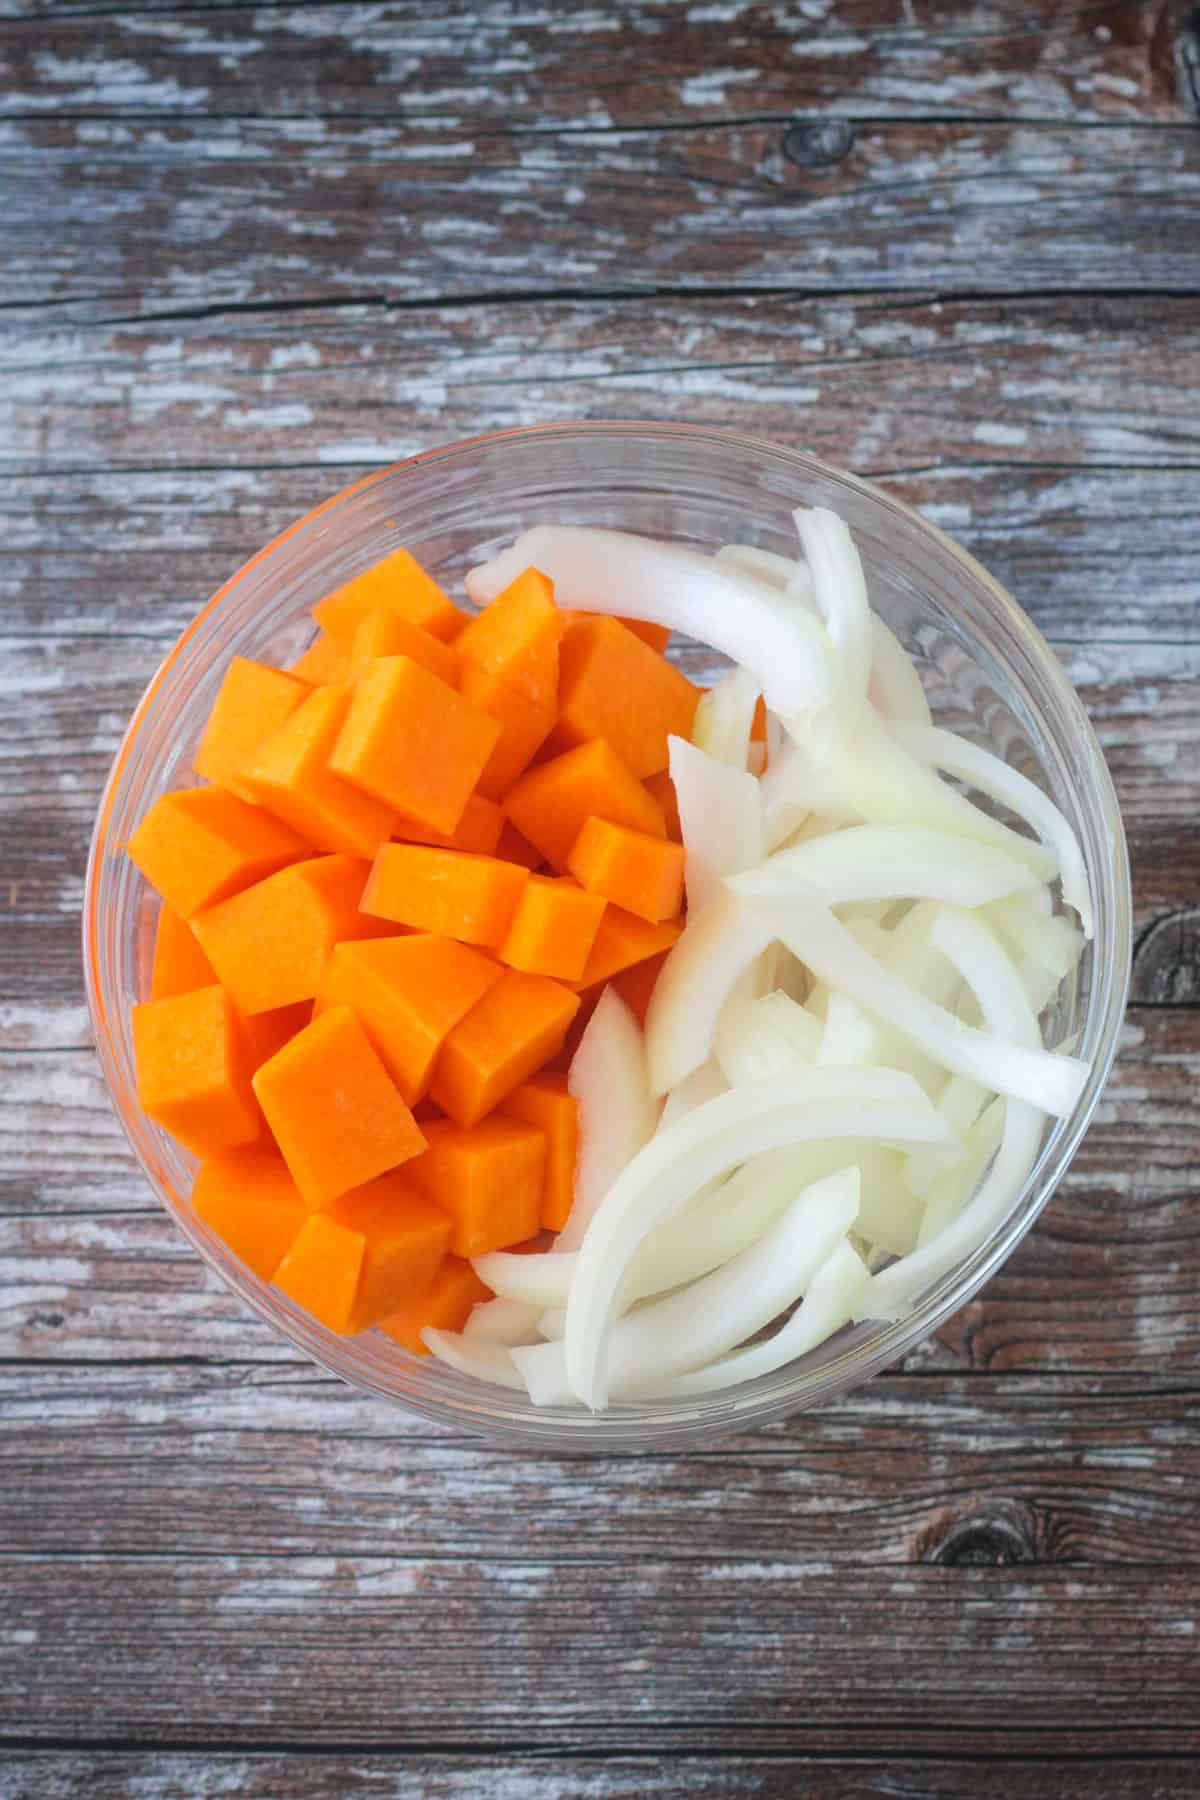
column 988, row 673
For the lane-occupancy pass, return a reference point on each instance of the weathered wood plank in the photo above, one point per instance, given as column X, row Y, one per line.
column 281, row 1461
column 713, row 1652
column 203, row 1775
column 135, row 217
column 647, row 64
column 1109, row 1279
column 874, row 383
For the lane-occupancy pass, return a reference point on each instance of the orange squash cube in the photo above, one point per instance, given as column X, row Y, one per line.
column 543, row 1101
column 388, row 634
column 516, row 637
column 551, row 803
column 488, row 1179
column 270, row 943
column 412, row 742
column 291, row 776
column 636, row 984
column 397, row 584
column 251, row 1202
column 456, row 1290
column 334, row 1110
column 512, row 847
column 405, row 1236
column 614, row 686
column 253, row 702
column 657, row 636
column 322, row 1270
column 408, row 994
column 326, row 662
column 643, row 874
column 193, row 1070
column 623, row 940
column 661, row 788
column 477, row 832
column 198, row 845
column 471, row 898
column 179, row 963
column 524, row 726
column 553, row 928
column 518, row 1025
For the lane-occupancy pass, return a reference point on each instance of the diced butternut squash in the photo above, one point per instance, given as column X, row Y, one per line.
column 193, row 1070
column 456, row 1290
column 388, row 634
column 291, row 776
column 198, row 845
column 622, row 940
column 589, row 999
column 524, row 727
column 477, row 832
column 471, row 898
column 758, row 725
column 643, row 874
column 334, row 1110
column 408, row 993
column 543, row 1101
column 488, row 1178
column 397, row 584
column 553, row 928
column 516, row 637
column 657, row 636
column 412, row 742
column 253, row 702
column 662, row 789
column 270, row 943
column 614, row 686
column 322, row 1270
column 551, row 803
column 326, row 662
column 512, row 847
column 518, row 1025
column 180, row 965
column 248, row 1198
column 404, row 1240
column 267, row 1032
column 636, row 984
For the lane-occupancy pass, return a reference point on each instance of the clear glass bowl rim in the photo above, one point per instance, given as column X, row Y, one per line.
column 498, row 1413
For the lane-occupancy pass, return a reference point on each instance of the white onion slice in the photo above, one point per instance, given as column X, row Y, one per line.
column 720, row 818
column 850, row 1037
column 969, row 762
column 824, row 1103
column 501, row 1321
column 765, row 565
column 895, row 688
column 889, row 1216
column 617, row 1113
column 988, row 972
column 475, row 1357
column 702, row 1085
column 764, row 1037
column 774, row 639
column 840, row 589
column 1045, row 1078
column 725, row 718
column 960, row 1103
column 871, row 862
column 717, row 946
column 949, row 1192
column 828, row 1304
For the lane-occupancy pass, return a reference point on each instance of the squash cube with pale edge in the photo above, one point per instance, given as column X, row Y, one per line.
column 643, row 874
column 367, row 1253
column 270, row 943
column 193, row 1070
column 553, row 928
column 413, row 743
column 613, row 686
column 544, row 1101
column 252, row 1204
column 518, row 1025
column 253, row 702
column 289, row 774
column 408, row 993
column 397, row 584
column 488, row 1179
column 471, row 898
column 335, row 1112
column 180, row 965
column 552, row 802
column 516, row 637
column 198, row 845
column 387, row 634
column 523, row 725
column 454, row 1293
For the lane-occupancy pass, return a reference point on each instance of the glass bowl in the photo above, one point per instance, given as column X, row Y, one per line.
column 987, row 670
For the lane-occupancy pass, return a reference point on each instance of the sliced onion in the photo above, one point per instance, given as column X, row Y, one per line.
column 720, row 817
column 1045, row 1078
column 501, row 1322
column 718, row 945
column 870, row 862
column 841, row 592
column 475, row 1357
column 969, row 762
column 538, row 1280
column 824, row 1103
column 850, row 1037
column 949, row 1192
column 960, row 1103
column 774, row 639
column 764, row 1037
column 889, row 1216
column 895, row 688
column 828, row 1304
column 765, row 565
column 617, row 1113
column 725, row 718
column 703, row 1084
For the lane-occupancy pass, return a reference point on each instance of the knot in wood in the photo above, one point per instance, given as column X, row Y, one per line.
column 818, row 144
column 1166, row 963
column 1001, row 1533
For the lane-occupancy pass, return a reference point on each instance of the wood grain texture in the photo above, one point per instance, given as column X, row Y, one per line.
column 648, row 63
column 133, row 217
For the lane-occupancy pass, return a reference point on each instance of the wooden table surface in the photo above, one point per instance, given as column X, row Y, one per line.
column 251, row 252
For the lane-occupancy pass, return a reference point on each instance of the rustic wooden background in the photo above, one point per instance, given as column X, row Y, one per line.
column 247, row 253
